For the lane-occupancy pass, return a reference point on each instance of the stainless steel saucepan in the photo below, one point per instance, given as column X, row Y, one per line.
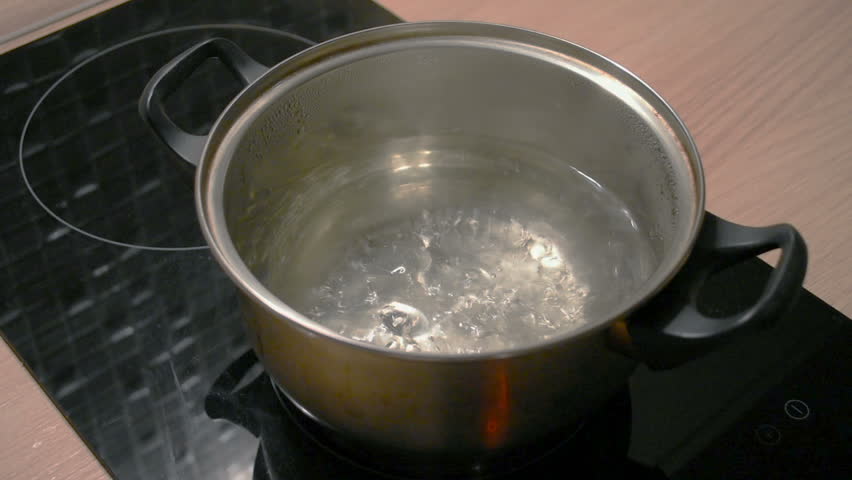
column 373, row 129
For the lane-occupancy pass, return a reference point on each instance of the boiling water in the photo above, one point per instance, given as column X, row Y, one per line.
column 502, row 271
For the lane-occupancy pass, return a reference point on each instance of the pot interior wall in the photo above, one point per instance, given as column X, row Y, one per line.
column 543, row 138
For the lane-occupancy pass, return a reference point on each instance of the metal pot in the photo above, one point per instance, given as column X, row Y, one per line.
column 274, row 198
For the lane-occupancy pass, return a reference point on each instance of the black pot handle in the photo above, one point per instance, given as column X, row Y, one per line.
column 669, row 330
column 173, row 74
column 224, row 399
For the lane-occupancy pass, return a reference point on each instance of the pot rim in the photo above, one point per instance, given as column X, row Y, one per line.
column 215, row 160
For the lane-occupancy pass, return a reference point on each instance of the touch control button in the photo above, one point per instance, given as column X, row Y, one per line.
column 797, row 409
column 767, row 434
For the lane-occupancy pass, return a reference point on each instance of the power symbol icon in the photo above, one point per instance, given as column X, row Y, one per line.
column 797, row 409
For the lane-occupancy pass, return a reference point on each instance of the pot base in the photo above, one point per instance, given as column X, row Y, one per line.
column 595, row 442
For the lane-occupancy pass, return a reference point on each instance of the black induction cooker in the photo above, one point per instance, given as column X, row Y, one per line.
column 117, row 307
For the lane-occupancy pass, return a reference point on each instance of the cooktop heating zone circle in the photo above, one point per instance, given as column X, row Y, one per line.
column 91, row 162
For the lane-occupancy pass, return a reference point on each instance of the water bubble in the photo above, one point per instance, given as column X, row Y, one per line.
column 402, row 319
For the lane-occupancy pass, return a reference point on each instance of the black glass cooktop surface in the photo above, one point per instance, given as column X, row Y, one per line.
column 117, row 307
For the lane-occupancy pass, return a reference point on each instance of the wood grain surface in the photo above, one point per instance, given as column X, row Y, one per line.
column 36, row 442
column 765, row 86
column 23, row 21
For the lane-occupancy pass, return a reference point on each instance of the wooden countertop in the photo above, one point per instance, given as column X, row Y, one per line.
column 765, row 86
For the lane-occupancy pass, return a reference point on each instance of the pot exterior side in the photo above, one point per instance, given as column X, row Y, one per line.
column 443, row 408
